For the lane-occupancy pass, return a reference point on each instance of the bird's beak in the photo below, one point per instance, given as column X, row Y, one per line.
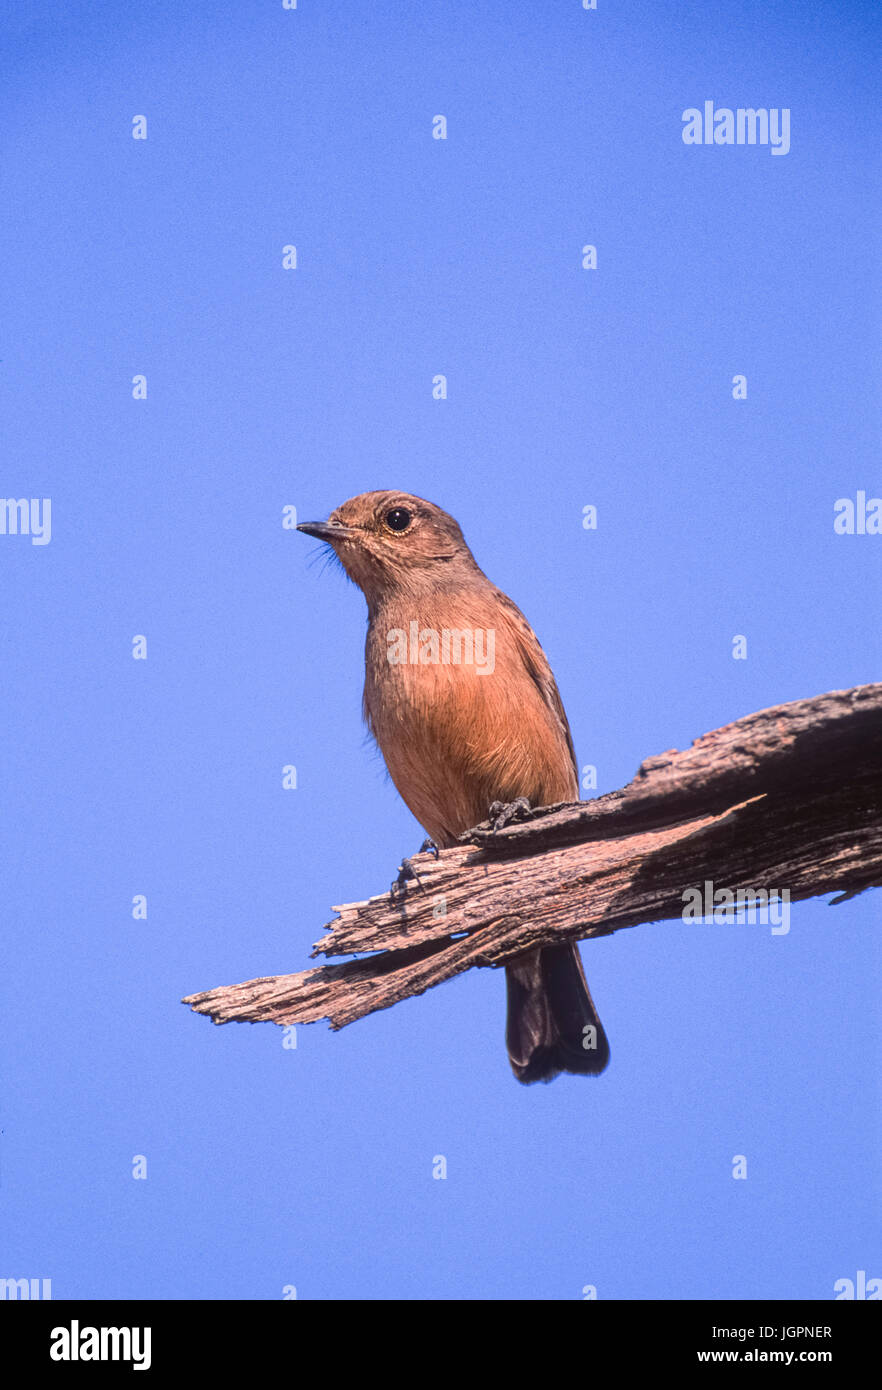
column 324, row 530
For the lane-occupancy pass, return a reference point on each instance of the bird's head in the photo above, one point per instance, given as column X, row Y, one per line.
column 389, row 541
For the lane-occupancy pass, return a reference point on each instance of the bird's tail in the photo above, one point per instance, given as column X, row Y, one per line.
column 552, row 1023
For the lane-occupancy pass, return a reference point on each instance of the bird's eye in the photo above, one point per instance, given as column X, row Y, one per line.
column 398, row 519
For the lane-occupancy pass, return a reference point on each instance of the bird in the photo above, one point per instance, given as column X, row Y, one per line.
column 462, row 703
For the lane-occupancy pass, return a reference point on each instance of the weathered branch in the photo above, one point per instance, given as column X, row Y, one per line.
column 788, row 800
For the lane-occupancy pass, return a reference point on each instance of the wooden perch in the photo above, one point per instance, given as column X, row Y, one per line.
column 788, row 799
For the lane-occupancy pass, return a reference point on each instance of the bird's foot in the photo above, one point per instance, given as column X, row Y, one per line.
column 407, row 871
column 503, row 813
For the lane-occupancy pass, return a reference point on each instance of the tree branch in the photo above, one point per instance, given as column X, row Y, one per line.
column 788, row 799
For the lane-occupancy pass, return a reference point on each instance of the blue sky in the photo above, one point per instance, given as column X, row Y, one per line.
column 266, row 388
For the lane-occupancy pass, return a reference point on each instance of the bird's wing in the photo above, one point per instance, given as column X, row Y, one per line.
column 536, row 664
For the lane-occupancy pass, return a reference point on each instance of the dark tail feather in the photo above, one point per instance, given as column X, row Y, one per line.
column 552, row 1022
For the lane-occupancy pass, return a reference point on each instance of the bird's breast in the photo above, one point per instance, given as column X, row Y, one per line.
column 459, row 720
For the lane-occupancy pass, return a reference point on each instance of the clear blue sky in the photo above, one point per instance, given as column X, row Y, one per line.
column 566, row 387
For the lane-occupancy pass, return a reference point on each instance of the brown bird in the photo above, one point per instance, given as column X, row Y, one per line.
column 461, row 700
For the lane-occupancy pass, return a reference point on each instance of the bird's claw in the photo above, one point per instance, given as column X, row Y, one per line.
column 407, row 871
column 503, row 813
